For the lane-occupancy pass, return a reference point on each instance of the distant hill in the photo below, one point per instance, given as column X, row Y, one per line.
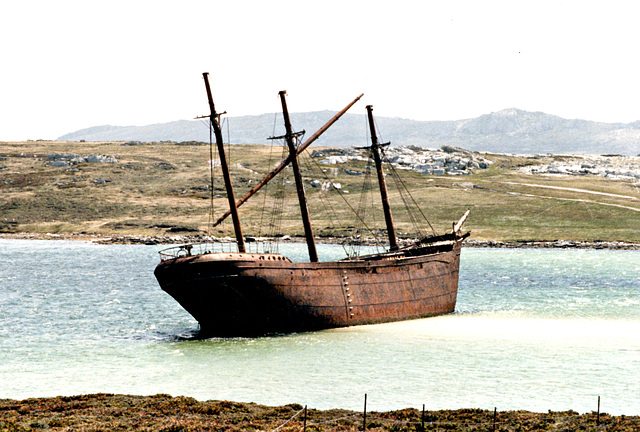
column 507, row 131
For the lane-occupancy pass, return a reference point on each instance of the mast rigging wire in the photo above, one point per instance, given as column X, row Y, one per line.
column 403, row 189
column 211, row 180
column 341, row 195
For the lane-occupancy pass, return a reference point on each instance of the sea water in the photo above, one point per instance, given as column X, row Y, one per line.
column 534, row 329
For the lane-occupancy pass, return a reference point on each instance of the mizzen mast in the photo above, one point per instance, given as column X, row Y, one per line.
column 214, row 117
column 293, row 157
column 375, row 150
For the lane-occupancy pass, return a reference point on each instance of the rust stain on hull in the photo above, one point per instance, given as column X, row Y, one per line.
column 244, row 294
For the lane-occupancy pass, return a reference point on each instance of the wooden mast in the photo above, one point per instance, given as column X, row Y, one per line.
column 375, row 150
column 225, row 167
column 286, row 161
column 293, row 157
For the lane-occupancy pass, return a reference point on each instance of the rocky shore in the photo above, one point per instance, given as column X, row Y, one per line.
column 109, row 412
column 555, row 244
column 195, row 239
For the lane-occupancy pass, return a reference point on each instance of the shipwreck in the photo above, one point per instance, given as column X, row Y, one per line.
column 241, row 293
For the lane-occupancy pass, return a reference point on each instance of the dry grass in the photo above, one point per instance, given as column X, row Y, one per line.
column 107, row 412
column 164, row 187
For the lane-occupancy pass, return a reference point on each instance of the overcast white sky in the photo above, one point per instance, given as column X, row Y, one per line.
column 68, row 65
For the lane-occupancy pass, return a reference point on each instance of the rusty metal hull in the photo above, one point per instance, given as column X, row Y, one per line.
column 243, row 294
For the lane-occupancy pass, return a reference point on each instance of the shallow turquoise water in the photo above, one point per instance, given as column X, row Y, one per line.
column 533, row 329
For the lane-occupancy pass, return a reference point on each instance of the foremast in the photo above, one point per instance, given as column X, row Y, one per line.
column 225, row 167
column 375, row 151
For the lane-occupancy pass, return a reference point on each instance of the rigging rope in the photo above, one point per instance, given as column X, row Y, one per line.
column 265, row 192
column 212, row 207
column 404, row 192
column 321, row 195
column 402, row 188
column 277, row 208
column 346, row 201
column 324, row 199
column 366, row 208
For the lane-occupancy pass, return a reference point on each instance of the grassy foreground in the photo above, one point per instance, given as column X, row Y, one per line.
column 163, row 189
column 108, row 412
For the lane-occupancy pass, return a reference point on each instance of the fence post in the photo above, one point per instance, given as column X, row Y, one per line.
column 304, row 422
column 422, row 418
column 495, row 415
column 598, row 417
column 364, row 417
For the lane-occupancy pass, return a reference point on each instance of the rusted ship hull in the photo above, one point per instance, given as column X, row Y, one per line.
column 244, row 294
column 236, row 294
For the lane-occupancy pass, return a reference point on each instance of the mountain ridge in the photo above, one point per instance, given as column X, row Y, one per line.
column 507, row 131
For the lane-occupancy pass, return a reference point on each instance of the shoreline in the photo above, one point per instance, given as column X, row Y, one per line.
column 134, row 239
column 104, row 411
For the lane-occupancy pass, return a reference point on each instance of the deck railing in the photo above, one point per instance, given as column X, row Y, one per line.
column 205, row 248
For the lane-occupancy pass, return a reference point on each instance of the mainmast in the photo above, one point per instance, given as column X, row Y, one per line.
column 286, row 161
column 375, row 150
column 293, row 157
column 225, row 167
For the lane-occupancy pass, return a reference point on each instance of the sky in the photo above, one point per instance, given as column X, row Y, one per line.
column 68, row 65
